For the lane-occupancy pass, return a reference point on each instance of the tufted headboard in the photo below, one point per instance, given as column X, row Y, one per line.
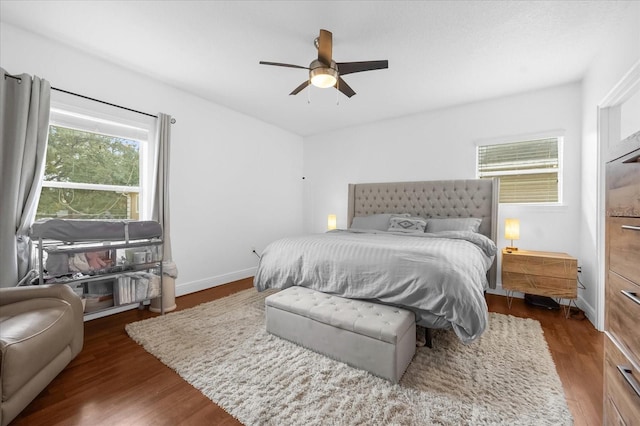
column 431, row 199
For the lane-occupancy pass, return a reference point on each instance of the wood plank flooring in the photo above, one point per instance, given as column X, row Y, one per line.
column 113, row 381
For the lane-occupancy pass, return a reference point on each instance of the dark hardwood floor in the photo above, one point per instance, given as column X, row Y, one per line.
column 113, row 381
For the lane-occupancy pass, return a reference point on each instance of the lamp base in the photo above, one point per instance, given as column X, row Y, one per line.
column 510, row 249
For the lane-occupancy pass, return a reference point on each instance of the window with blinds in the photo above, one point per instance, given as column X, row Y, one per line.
column 529, row 171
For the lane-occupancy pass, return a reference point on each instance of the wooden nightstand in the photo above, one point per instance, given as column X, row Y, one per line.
column 541, row 273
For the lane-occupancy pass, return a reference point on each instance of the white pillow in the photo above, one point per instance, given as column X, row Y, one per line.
column 379, row 222
column 454, row 224
column 407, row 224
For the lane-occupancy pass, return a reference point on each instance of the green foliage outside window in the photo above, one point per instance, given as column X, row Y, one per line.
column 89, row 158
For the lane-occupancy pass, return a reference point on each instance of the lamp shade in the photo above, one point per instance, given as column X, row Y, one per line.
column 512, row 229
column 331, row 222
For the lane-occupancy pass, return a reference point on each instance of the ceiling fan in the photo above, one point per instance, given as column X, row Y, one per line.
column 325, row 72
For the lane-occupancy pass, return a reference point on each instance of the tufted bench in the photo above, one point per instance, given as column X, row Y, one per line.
column 377, row 338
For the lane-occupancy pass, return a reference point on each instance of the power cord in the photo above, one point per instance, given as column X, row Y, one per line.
column 581, row 286
column 575, row 312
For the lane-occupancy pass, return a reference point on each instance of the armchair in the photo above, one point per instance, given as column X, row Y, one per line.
column 41, row 331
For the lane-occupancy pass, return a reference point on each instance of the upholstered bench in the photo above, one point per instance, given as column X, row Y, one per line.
column 377, row 338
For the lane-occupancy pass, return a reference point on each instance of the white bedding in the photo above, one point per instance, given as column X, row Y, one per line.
column 441, row 277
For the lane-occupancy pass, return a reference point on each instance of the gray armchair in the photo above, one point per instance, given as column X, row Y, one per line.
column 41, row 331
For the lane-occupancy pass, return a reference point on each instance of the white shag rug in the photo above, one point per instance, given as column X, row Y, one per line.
column 506, row 377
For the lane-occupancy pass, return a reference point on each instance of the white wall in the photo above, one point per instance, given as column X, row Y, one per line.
column 441, row 145
column 235, row 181
column 617, row 56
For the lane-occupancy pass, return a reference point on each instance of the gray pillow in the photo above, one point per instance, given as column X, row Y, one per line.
column 379, row 222
column 454, row 224
column 407, row 224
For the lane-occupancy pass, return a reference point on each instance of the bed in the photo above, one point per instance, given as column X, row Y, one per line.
column 439, row 271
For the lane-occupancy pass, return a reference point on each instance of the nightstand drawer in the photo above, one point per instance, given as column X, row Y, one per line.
column 623, row 234
column 539, row 285
column 618, row 388
column 623, row 312
column 545, row 264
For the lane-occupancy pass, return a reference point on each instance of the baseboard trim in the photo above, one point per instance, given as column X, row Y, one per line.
column 589, row 312
column 199, row 285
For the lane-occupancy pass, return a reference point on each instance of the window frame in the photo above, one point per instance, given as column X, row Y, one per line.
column 93, row 117
column 559, row 135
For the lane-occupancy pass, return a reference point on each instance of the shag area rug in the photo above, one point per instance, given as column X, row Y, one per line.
column 506, row 377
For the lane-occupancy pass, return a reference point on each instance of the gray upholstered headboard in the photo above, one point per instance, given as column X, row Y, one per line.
column 431, row 199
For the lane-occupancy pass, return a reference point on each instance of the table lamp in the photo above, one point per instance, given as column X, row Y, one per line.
column 512, row 232
column 331, row 222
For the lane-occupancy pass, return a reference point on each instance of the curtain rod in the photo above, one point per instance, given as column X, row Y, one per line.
column 173, row 120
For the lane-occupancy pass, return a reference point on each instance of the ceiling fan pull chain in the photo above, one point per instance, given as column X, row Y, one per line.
column 338, row 93
column 309, row 93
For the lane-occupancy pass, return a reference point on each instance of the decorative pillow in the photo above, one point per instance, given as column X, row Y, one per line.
column 379, row 222
column 407, row 224
column 454, row 224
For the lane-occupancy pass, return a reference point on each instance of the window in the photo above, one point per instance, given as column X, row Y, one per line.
column 529, row 171
column 96, row 167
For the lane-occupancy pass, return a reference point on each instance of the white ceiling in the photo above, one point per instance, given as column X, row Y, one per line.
column 441, row 53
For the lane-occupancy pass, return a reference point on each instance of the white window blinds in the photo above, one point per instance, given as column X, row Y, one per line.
column 529, row 171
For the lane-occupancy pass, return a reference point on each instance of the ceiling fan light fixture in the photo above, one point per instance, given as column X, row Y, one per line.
column 324, row 72
column 323, row 77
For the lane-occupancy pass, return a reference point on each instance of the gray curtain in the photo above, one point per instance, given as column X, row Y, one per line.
column 24, row 129
column 161, row 196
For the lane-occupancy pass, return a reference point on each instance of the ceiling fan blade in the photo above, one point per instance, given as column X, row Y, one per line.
column 299, row 88
column 345, row 88
column 351, row 67
column 278, row 64
column 325, row 47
